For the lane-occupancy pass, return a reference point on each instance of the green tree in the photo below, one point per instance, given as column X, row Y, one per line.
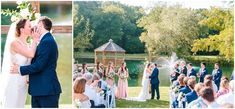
column 221, row 20
column 82, row 32
column 169, row 29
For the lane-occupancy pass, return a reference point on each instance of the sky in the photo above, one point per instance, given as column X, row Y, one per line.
column 195, row 4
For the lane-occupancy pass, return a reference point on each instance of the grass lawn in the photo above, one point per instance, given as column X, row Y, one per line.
column 134, row 91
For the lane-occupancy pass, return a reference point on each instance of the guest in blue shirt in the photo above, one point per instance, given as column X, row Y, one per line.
column 191, row 95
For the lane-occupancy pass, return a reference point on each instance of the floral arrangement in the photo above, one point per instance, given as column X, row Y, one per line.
column 123, row 76
column 111, row 74
column 77, row 103
column 181, row 96
column 24, row 10
column 175, row 89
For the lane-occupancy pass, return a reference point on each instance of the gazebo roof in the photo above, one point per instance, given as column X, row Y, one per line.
column 110, row 46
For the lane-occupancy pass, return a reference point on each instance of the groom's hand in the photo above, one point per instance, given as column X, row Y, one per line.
column 15, row 69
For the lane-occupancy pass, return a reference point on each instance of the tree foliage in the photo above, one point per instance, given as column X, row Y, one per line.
column 169, row 29
column 221, row 20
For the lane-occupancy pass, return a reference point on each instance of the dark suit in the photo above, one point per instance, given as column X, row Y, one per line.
column 202, row 74
column 191, row 96
column 217, row 74
column 185, row 89
column 44, row 86
column 192, row 72
column 154, row 83
column 184, row 70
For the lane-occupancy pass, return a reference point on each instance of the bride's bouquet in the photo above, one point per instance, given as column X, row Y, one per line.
column 123, row 76
column 24, row 11
column 111, row 75
column 77, row 103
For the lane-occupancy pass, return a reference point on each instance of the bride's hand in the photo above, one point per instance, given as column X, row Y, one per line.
column 36, row 34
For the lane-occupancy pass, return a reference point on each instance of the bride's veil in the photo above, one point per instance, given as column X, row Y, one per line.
column 6, row 64
column 144, row 75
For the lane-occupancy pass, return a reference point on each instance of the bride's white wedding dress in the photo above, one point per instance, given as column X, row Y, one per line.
column 144, row 93
column 14, row 86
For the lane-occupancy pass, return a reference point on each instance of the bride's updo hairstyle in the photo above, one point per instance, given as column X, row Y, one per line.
column 20, row 24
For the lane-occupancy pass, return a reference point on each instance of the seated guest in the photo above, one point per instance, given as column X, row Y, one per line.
column 102, row 84
column 186, row 88
column 202, row 72
column 205, row 100
column 90, row 91
column 175, row 74
column 209, row 77
column 198, row 103
column 181, row 81
column 224, row 87
column 208, row 97
column 191, row 95
column 229, row 97
column 191, row 71
column 217, row 74
column 80, row 100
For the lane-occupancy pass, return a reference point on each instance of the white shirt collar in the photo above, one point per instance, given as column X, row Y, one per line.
column 43, row 35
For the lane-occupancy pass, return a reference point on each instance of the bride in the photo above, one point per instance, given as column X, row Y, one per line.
column 144, row 93
column 17, row 51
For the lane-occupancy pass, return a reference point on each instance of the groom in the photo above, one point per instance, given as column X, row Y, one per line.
column 154, row 82
column 44, row 86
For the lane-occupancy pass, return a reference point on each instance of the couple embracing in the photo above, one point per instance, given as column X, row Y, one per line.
column 37, row 61
column 150, row 78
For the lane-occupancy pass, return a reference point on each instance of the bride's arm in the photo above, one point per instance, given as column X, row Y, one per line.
column 24, row 50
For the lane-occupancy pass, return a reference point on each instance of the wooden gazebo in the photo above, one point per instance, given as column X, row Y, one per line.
column 110, row 52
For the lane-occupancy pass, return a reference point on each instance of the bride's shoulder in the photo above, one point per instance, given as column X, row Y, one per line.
column 15, row 44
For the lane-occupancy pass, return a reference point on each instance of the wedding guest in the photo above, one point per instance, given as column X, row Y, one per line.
column 198, row 103
column 175, row 74
column 209, row 77
column 202, row 72
column 79, row 98
column 84, row 68
column 224, row 87
column 102, row 84
column 186, row 88
column 122, row 82
column 110, row 73
column 183, row 69
column 181, row 81
column 217, row 74
column 89, row 91
column 98, row 68
column 229, row 97
column 191, row 71
column 207, row 95
column 191, row 95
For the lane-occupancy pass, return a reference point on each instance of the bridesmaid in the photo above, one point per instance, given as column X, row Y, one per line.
column 84, row 68
column 98, row 68
column 122, row 82
column 110, row 74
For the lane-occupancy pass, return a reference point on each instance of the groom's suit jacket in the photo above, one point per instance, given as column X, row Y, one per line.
column 43, row 79
column 154, row 77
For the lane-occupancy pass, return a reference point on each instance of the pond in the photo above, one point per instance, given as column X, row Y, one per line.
column 136, row 68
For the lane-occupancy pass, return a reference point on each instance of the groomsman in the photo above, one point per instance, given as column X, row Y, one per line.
column 155, row 82
column 217, row 74
column 191, row 71
column 202, row 72
column 183, row 69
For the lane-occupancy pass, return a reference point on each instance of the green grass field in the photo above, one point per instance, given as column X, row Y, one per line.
column 134, row 91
